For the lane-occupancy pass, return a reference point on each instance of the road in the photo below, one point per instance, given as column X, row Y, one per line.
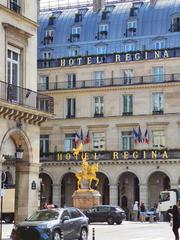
column 125, row 231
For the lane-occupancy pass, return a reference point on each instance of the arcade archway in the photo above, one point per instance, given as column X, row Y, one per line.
column 46, row 189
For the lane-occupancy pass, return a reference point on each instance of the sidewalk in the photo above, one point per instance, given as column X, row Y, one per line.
column 6, row 231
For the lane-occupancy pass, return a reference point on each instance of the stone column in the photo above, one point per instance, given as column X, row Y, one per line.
column 113, row 194
column 57, row 194
column 26, row 198
column 143, row 194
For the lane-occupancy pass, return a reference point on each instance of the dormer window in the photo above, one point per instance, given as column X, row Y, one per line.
column 105, row 15
column 159, row 44
column 49, row 36
column 102, row 49
column 47, row 55
column 175, row 26
column 129, row 47
column 131, row 28
column 14, row 5
column 103, row 31
column 74, row 51
column 109, row 8
column 79, row 15
column 134, row 11
column 75, row 34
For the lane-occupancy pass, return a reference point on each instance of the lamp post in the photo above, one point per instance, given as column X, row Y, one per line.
column 19, row 152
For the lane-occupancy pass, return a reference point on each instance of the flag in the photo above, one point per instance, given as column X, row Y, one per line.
column 135, row 136
column 87, row 139
column 77, row 138
column 146, row 137
column 81, row 138
column 139, row 135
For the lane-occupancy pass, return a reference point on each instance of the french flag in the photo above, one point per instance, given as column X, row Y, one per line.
column 135, row 136
column 146, row 138
column 87, row 139
column 77, row 138
column 139, row 135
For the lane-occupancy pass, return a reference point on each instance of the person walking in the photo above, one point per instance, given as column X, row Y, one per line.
column 135, row 211
column 175, row 225
column 142, row 212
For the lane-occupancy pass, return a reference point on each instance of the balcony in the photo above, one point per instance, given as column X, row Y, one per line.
column 98, row 115
column 25, row 97
column 175, row 27
column 14, row 7
column 158, row 112
column 139, row 80
column 127, row 113
column 130, row 32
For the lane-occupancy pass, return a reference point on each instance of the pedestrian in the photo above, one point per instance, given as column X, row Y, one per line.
column 175, row 222
column 135, row 211
column 142, row 212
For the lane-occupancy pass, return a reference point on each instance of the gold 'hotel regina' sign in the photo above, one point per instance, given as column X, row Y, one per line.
column 115, row 155
column 117, row 57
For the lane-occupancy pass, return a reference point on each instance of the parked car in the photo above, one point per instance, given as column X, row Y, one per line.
column 106, row 213
column 49, row 224
column 151, row 215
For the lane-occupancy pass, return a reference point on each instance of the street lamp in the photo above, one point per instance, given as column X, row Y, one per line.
column 19, row 152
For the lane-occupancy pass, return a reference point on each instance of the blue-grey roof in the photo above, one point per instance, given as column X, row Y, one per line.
column 153, row 22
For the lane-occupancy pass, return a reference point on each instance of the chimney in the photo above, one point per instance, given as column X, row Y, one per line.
column 153, row 2
column 98, row 5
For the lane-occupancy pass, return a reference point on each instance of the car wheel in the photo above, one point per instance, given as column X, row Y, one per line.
column 83, row 234
column 56, row 235
column 110, row 220
column 118, row 221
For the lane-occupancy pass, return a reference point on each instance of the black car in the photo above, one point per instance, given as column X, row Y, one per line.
column 50, row 224
column 106, row 213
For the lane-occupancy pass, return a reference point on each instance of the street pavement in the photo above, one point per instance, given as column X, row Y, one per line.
column 125, row 231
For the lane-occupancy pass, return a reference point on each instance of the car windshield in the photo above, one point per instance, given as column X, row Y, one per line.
column 164, row 196
column 44, row 216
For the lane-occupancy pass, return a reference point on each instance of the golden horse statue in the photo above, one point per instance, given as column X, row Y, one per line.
column 88, row 171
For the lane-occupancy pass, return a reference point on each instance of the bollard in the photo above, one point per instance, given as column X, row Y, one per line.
column 62, row 235
column 93, row 234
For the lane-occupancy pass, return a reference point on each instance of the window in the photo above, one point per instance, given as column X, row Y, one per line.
column 159, row 44
column 44, row 145
column 158, row 74
column 99, row 78
column 99, row 141
column 43, row 83
column 175, row 26
column 44, row 105
column 75, row 34
column 98, row 106
column 158, row 138
column 109, row 8
column 71, row 108
column 158, row 105
column 127, row 105
column 105, row 15
column 69, row 143
column 49, row 36
column 127, row 140
column 103, row 31
column 71, row 80
column 15, row 6
column 131, row 28
column 74, row 51
column 128, row 76
column 47, row 55
column 13, row 73
column 101, row 50
column 129, row 47
column 134, row 11
column 78, row 17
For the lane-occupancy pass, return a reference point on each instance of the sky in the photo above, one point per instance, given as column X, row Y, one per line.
column 51, row 3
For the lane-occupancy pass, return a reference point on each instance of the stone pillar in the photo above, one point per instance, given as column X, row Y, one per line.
column 57, row 194
column 26, row 198
column 143, row 194
column 113, row 194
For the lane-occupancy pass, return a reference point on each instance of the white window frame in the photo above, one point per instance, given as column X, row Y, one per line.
column 43, row 82
column 98, row 78
column 72, row 108
column 129, row 103
column 129, row 137
column 44, row 140
column 71, row 79
column 131, row 24
column 158, row 74
column 69, row 142
column 76, row 30
column 101, row 49
column 158, row 101
column 98, row 141
column 158, row 139
column 74, row 51
column 128, row 76
column 129, row 47
column 159, row 44
column 98, row 105
column 103, row 27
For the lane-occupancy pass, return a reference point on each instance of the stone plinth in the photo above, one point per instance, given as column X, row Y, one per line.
column 85, row 199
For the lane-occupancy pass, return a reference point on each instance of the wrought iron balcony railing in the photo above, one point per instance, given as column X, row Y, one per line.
column 148, row 154
column 14, row 6
column 26, row 97
column 151, row 79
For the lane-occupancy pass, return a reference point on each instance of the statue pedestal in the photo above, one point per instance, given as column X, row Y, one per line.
column 85, row 199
